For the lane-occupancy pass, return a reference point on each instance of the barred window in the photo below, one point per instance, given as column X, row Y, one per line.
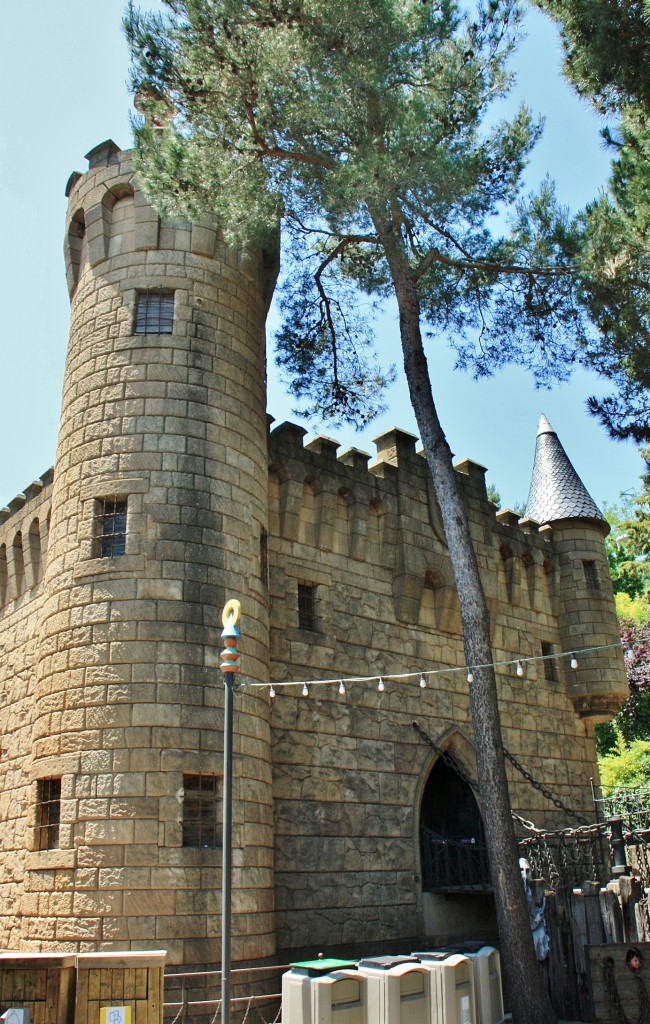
column 550, row 669
column 307, row 606
column 154, row 312
column 48, row 813
column 110, row 526
column 264, row 557
column 200, row 811
column 591, row 574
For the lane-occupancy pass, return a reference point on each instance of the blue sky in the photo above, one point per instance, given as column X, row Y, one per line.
column 63, row 69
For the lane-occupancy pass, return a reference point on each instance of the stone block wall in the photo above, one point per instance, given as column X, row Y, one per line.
column 349, row 769
column 23, row 558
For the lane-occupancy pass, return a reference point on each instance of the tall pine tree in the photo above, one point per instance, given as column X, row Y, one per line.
column 362, row 127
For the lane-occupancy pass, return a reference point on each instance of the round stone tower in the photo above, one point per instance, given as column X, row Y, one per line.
column 578, row 578
column 159, row 516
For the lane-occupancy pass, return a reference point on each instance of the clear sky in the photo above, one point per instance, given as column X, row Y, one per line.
column 63, row 71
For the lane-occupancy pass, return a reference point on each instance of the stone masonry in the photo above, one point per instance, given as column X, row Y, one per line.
column 110, row 683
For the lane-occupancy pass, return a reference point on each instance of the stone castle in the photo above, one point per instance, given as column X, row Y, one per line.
column 170, row 496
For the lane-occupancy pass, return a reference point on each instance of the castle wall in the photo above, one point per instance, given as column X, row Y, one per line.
column 111, row 687
column 349, row 769
column 23, row 555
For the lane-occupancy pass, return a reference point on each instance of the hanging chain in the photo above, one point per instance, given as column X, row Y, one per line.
column 451, row 763
column 612, row 990
column 541, row 789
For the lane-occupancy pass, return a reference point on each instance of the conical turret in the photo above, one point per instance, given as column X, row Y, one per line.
column 556, row 490
column 578, row 575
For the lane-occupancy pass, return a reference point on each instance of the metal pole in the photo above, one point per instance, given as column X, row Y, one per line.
column 229, row 665
column 227, row 849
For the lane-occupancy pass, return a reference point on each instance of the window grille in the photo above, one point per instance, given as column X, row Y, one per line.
column 550, row 669
column 110, row 527
column 306, row 606
column 48, row 813
column 154, row 312
column 264, row 557
column 591, row 574
column 200, row 817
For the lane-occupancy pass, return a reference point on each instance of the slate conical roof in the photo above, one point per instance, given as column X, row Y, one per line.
column 556, row 490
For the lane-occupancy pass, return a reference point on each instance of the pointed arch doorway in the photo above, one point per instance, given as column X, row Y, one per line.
column 457, row 900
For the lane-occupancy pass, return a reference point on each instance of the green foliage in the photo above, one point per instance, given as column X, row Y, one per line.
column 493, row 495
column 628, row 765
column 607, row 57
column 632, row 609
column 337, row 117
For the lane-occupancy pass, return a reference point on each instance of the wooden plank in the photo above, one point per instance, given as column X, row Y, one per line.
column 129, row 983
column 611, row 916
column 93, row 986
column 561, row 962
column 52, row 992
column 117, row 984
column 141, row 983
column 105, row 976
column 67, row 989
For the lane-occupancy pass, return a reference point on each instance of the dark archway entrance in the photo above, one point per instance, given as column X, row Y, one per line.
column 452, row 843
column 457, row 901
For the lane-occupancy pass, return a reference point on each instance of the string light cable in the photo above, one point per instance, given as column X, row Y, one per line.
column 422, row 675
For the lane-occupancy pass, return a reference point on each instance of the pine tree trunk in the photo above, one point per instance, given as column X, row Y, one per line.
column 529, row 999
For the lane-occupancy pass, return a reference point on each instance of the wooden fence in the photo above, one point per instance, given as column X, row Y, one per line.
column 579, row 920
column 75, row 988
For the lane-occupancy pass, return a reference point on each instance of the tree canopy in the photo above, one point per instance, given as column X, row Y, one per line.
column 285, row 108
column 607, row 58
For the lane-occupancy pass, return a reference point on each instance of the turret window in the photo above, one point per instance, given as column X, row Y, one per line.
column 200, row 811
column 48, row 814
column 110, row 527
column 550, row 670
column 154, row 312
column 591, row 574
column 307, row 606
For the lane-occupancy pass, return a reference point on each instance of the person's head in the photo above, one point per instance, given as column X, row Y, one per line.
column 633, row 959
column 524, row 867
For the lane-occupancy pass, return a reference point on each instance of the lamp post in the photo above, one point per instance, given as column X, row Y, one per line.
column 229, row 665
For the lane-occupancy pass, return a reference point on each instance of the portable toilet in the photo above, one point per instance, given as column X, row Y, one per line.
column 451, row 979
column 323, row 991
column 397, row 990
column 488, row 989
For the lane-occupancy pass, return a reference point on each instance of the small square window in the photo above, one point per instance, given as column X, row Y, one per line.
column 591, row 574
column 200, row 811
column 154, row 312
column 48, row 813
column 110, row 527
column 307, row 606
column 550, row 669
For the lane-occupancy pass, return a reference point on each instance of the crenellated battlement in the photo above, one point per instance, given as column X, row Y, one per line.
column 24, row 534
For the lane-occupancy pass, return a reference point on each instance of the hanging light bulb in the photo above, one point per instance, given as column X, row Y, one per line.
column 341, row 687
column 574, row 662
column 520, row 669
column 305, row 690
column 380, row 686
column 470, row 676
column 423, row 683
column 272, row 692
